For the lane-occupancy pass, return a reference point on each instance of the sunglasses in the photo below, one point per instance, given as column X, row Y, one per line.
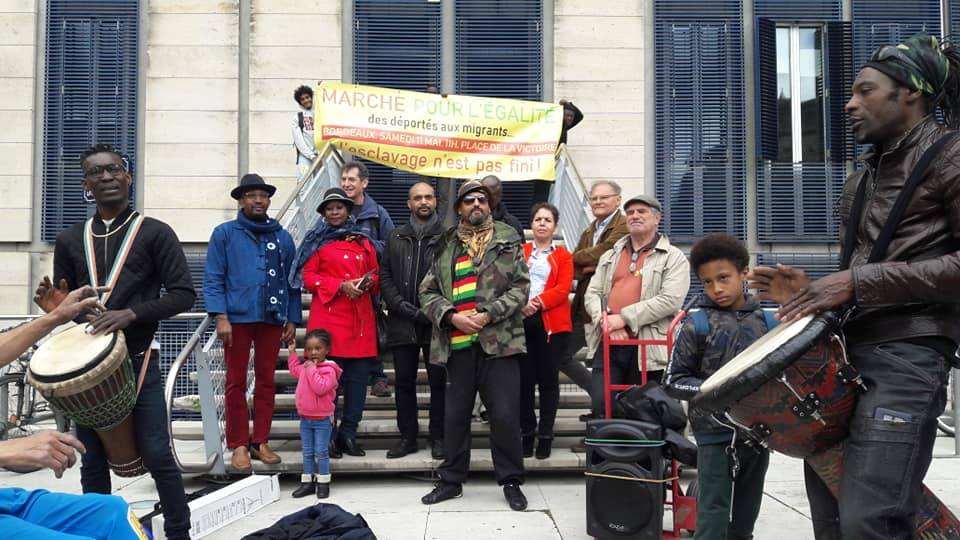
column 470, row 199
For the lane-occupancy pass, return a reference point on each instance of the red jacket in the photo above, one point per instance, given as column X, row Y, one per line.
column 351, row 323
column 556, row 294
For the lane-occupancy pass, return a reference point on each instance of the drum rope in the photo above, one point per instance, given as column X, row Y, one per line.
column 644, row 480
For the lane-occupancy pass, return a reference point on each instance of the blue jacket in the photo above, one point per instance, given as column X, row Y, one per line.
column 235, row 279
column 374, row 221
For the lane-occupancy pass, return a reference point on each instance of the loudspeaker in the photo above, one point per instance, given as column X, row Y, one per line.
column 623, row 508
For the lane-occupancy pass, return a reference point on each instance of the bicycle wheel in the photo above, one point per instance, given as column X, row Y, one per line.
column 17, row 404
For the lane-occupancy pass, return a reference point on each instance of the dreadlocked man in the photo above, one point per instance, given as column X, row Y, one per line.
column 904, row 330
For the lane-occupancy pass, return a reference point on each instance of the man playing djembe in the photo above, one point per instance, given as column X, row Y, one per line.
column 136, row 257
column 904, row 287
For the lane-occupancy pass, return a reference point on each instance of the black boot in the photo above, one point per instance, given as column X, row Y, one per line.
column 333, row 450
column 323, row 486
column 544, row 445
column 528, row 446
column 307, row 486
column 436, row 449
column 350, row 447
column 402, row 448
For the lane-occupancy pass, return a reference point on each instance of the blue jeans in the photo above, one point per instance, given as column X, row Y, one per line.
column 315, row 436
column 153, row 442
column 353, row 382
column 42, row 515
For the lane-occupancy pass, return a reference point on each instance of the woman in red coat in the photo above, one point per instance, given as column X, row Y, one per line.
column 547, row 326
column 341, row 274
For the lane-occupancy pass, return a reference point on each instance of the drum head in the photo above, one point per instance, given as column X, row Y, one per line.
column 70, row 354
column 763, row 360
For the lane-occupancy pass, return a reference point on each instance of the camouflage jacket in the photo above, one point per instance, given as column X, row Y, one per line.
column 502, row 288
column 695, row 358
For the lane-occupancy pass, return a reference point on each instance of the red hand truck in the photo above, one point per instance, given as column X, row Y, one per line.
column 684, row 507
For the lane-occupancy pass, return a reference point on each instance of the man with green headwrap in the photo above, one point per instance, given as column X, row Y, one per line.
column 904, row 329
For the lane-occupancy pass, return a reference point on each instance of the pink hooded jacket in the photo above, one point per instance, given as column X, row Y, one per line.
column 316, row 387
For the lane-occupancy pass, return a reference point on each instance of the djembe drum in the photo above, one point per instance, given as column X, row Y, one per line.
column 89, row 379
column 793, row 391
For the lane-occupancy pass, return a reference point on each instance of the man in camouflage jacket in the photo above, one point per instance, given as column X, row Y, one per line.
column 473, row 294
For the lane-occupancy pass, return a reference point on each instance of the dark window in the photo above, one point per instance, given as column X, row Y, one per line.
column 90, row 95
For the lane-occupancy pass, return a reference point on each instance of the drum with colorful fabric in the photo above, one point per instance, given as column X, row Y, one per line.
column 792, row 389
column 89, row 379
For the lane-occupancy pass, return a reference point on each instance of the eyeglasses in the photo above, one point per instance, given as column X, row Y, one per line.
column 598, row 198
column 97, row 171
column 470, row 199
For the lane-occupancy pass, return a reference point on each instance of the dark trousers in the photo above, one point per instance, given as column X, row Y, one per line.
column 570, row 366
column 266, row 346
column 353, row 383
column 890, row 445
column 540, row 368
column 624, row 369
column 714, row 519
column 406, row 360
column 153, row 442
column 498, row 381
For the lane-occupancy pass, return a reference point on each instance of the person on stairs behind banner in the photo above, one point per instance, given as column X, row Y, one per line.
column 338, row 265
column 546, row 325
column 901, row 274
column 246, row 291
column 138, row 257
column 410, row 250
column 40, row 514
column 734, row 320
column 303, row 131
column 374, row 222
column 316, row 396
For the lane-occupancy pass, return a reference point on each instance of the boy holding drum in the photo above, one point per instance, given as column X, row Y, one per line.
column 728, row 322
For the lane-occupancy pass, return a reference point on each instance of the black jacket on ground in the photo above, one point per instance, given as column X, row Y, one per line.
column 694, row 359
column 500, row 214
column 156, row 261
column 319, row 522
column 404, row 264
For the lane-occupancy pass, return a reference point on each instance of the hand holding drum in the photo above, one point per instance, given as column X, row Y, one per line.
column 46, row 449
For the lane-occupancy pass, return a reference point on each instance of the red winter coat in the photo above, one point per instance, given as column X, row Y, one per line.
column 351, row 323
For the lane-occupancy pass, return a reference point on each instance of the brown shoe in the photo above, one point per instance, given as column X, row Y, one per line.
column 265, row 454
column 241, row 460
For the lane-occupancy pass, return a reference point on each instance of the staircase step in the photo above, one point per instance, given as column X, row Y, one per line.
column 284, row 378
column 562, row 459
column 285, row 402
column 369, row 428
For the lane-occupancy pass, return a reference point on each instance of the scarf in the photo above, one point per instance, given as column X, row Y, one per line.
column 321, row 234
column 420, row 228
column 476, row 238
column 275, row 293
column 917, row 63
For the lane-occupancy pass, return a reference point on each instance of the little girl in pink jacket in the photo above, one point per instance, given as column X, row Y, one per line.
column 316, row 398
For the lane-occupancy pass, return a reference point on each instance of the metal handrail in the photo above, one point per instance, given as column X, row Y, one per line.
column 168, row 398
column 298, row 215
column 569, row 195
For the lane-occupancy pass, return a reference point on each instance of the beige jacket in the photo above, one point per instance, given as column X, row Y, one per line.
column 666, row 279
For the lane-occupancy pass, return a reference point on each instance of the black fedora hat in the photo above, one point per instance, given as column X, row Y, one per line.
column 335, row 194
column 250, row 182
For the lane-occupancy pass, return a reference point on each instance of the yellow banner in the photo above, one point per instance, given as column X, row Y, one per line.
column 431, row 135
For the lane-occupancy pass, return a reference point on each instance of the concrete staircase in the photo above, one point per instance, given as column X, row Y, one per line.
column 378, row 429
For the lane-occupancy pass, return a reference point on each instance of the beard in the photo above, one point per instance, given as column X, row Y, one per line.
column 476, row 218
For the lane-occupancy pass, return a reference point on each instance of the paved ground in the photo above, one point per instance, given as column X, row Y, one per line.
column 391, row 503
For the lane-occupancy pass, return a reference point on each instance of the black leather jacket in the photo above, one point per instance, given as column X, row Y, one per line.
column 914, row 291
column 405, row 262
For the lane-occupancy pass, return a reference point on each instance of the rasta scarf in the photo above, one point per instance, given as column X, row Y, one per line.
column 265, row 232
column 918, row 63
